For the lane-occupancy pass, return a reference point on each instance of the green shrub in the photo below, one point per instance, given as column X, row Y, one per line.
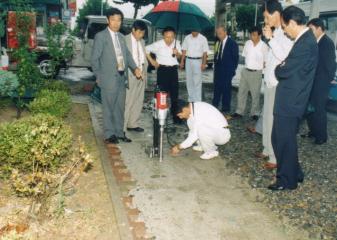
column 56, row 103
column 37, row 143
column 8, row 83
column 56, row 85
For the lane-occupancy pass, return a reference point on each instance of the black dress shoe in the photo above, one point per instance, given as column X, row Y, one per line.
column 300, row 180
column 125, row 139
column 308, row 135
column 178, row 121
column 255, row 117
column 136, row 129
column 278, row 187
column 112, row 139
column 320, row 142
column 236, row 115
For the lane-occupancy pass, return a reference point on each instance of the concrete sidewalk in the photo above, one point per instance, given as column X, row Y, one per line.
column 185, row 198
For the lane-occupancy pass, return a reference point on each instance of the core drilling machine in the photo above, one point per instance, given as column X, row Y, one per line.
column 159, row 114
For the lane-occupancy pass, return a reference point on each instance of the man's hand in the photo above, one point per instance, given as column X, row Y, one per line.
column 203, row 66
column 97, row 81
column 138, row 73
column 155, row 64
column 267, row 32
column 182, row 65
column 175, row 150
column 175, row 52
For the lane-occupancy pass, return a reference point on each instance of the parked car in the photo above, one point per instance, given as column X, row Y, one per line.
column 83, row 46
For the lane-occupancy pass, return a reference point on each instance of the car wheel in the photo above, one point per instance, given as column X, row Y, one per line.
column 45, row 68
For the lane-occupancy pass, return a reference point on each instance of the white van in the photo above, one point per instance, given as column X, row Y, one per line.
column 83, row 47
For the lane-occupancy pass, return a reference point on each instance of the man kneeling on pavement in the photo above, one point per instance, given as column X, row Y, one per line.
column 207, row 126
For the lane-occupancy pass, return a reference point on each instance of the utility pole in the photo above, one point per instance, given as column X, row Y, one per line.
column 314, row 11
column 256, row 6
column 101, row 7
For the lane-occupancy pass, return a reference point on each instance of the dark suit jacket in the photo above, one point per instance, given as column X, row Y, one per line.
column 325, row 72
column 104, row 60
column 296, row 75
column 227, row 64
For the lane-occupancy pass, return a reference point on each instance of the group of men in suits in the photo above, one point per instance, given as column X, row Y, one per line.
column 298, row 71
column 303, row 79
column 299, row 66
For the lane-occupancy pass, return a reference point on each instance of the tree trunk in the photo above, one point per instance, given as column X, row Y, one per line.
column 136, row 11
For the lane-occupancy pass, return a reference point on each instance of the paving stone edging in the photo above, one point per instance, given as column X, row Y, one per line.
column 119, row 182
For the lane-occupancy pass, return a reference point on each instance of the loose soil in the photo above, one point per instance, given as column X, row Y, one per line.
column 89, row 213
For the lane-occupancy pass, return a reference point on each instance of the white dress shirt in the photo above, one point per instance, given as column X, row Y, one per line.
column 255, row 55
column 279, row 48
column 164, row 52
column 115, row 41
column 223, row 45
column 203, row 115
column 301, row 33
column 118, row 49
column 137, row 52
column 320, row 37
column 195, row 47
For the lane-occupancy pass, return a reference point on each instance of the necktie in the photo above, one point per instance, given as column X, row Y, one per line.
column 220, row 51
column 119, row 55
column 138, row 55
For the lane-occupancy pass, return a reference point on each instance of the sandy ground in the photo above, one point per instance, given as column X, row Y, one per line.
column 88, row 212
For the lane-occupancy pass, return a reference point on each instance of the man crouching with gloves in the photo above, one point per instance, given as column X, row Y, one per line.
column 207, row 126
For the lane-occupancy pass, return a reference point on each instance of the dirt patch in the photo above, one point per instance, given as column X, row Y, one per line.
column 88, row 210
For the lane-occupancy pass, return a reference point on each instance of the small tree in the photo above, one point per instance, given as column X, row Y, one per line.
column 91, row 7
column 27, row 71
column 137, row 4
column 245, row 17
column 60, row 46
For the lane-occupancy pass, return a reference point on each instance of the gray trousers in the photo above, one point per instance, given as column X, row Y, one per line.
column 133, row 102
column 267, row 125
column 113, row 105
column 193, row 79
column 250, row 82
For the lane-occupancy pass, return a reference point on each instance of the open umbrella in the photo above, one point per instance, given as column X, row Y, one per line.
column 181, row 15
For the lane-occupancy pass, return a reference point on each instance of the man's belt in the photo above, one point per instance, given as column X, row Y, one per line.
column 252, row 70
column 168, row 66
column 194, row 58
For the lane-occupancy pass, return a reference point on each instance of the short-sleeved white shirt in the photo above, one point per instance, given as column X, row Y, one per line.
column 195, row 46
column 255, row 56
column 164, row 52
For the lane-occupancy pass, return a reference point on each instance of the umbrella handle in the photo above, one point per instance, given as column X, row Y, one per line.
column 177, row 30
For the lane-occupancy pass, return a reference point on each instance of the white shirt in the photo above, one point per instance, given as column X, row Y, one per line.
column 114, row 40
column 195, row 46
column 139, row 60
column 255, row 55
column 320, row 37
column 279, row 48
column 204, row 115
column 301, row 33
column 164, row 52
column 223, row 44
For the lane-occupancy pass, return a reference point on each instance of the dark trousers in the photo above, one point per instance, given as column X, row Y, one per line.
column 222, row 91
column 317, row 120
column 167, row 80
column 285, row 148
